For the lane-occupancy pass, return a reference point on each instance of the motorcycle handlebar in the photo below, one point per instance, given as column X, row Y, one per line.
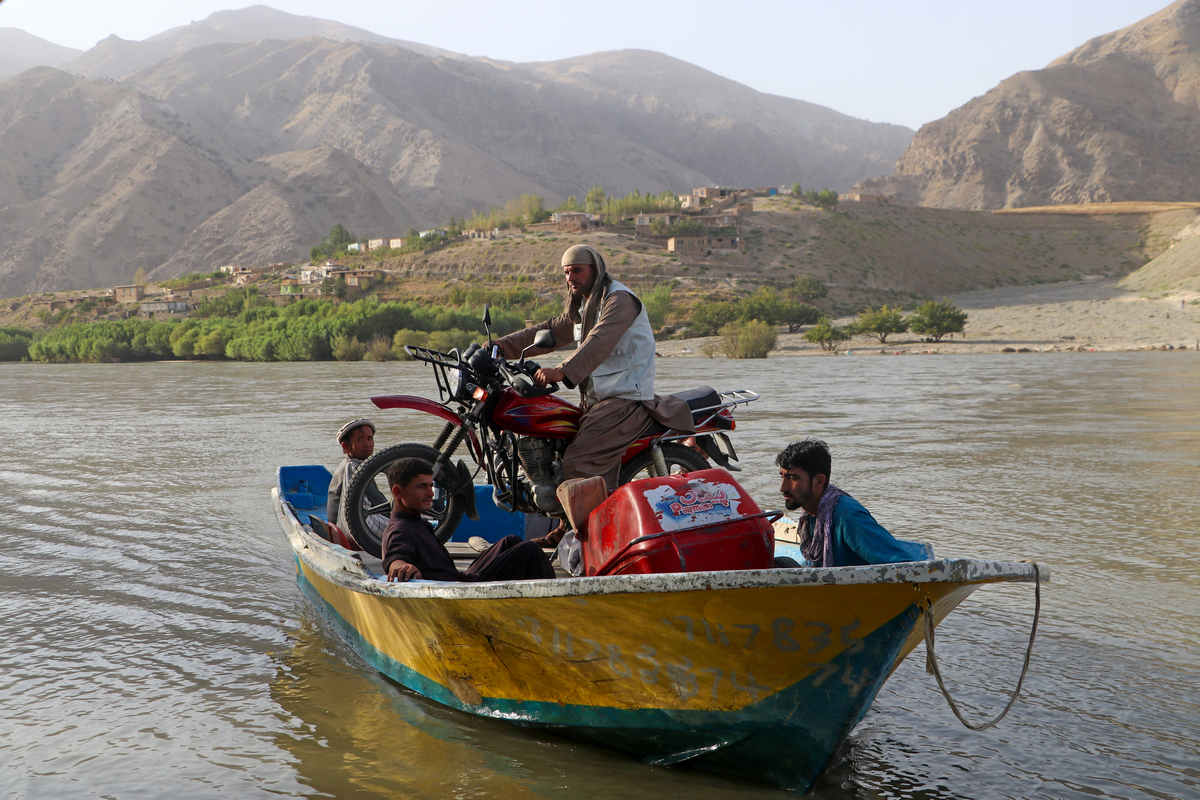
column 478, row 360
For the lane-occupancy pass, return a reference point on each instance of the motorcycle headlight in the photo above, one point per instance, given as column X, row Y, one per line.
column 455, row 378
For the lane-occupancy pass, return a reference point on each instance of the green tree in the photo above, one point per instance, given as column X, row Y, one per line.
column 139, row 277
column 796, row 190
column 936, row 318
column 594, row 200
column 684, row 227
column 183, row 341
column 709, row 316
column 826, row 198
column 798, row 314
column 339, row 288
column 753, row 339
column 348, row 349
column 880, row 322
column 211, row 344
column 658, row 303
column 334, row 244
column 826, row 334
column 379, row 348
column 766, row 304
column 14, row 343
column 808, row 288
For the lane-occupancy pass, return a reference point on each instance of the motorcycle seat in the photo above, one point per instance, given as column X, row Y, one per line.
column 700, row 400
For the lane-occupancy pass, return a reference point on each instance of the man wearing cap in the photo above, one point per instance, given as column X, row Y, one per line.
column 357, row 438
column 612, row 366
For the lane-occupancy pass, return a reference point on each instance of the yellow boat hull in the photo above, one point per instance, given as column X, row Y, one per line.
column 759, row 673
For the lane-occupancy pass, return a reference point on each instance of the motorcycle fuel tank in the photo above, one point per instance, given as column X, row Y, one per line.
column 548, row 416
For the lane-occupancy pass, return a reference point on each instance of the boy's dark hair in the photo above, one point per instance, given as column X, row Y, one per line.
column 810, row 455
column 402, row 471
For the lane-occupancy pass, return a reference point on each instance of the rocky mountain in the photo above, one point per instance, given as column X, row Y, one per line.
column 1116, row 119
column 20, row 51
column 190, row 150
column 115, row 57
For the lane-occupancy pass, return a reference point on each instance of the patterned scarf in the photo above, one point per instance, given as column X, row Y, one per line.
column 816, row 539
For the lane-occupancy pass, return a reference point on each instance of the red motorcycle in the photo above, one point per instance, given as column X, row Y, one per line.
column 517, row 433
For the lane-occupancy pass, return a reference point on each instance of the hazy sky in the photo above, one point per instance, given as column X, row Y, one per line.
column 902, row 61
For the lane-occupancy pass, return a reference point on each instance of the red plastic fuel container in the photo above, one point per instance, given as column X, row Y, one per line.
column 695, row 522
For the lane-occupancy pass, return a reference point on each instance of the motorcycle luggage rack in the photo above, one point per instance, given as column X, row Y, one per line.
column 736, row 397
column 440, row 363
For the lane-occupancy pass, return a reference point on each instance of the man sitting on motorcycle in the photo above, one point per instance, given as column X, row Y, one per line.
column 612, row 366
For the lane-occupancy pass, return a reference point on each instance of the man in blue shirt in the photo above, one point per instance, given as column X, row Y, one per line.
column 835, row 530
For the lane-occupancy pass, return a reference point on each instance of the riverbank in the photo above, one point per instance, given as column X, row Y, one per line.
column 1088, row 315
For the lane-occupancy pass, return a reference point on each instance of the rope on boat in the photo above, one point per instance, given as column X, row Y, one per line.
column 931, row 664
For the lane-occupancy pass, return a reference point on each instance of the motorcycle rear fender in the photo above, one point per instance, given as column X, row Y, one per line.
column 427, row 406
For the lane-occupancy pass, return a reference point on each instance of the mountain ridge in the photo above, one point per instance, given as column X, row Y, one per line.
column 165, row 168
column 1116, row 119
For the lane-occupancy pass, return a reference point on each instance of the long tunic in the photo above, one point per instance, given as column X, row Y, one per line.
column 408, row 538
column 858, row 539
column 606, row 428
column 337, row 486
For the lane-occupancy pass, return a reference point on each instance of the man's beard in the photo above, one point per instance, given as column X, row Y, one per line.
column 790, row 503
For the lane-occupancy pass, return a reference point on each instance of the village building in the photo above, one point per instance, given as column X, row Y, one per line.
column 703, row 245
column 314, row 274
column 129, row 294
column 644, row 223
column 565, row 221
column 858, row 197
column 361, row 278
column 151, row 309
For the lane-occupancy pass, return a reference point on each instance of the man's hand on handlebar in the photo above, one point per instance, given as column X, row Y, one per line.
column 546, row 376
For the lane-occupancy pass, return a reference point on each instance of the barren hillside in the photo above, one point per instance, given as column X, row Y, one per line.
column 20, row 51
column 208, row 144
column 1116, row 119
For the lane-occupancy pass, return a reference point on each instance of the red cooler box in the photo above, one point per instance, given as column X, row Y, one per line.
column 695, row 522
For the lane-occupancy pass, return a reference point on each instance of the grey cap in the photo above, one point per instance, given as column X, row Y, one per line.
column 347, row 429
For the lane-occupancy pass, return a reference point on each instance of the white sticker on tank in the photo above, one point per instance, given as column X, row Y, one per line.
column 696, row 503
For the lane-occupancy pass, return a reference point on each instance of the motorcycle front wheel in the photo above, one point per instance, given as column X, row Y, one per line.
column 679, row 458
column 445, row 515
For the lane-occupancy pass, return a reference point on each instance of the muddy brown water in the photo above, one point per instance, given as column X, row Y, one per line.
column 155, row 643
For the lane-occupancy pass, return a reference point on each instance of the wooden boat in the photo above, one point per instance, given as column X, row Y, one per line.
column 754, row 673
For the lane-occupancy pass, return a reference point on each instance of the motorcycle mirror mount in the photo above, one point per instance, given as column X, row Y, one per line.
column 487, row 320
column 543, row 339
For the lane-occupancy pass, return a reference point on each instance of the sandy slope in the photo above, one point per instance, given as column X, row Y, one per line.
column 1093, row 314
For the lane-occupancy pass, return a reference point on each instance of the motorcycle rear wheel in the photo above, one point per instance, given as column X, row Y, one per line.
column 445, row 515
column 679, row 459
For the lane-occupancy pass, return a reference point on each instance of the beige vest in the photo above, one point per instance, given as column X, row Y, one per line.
column 628, row 372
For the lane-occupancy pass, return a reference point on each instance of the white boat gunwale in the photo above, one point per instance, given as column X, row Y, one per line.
column 345, row 568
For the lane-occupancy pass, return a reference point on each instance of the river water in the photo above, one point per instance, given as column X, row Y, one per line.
column 155, row 643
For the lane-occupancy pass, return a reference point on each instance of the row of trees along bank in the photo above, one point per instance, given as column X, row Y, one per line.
column 243, row 326
column 933, row 319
